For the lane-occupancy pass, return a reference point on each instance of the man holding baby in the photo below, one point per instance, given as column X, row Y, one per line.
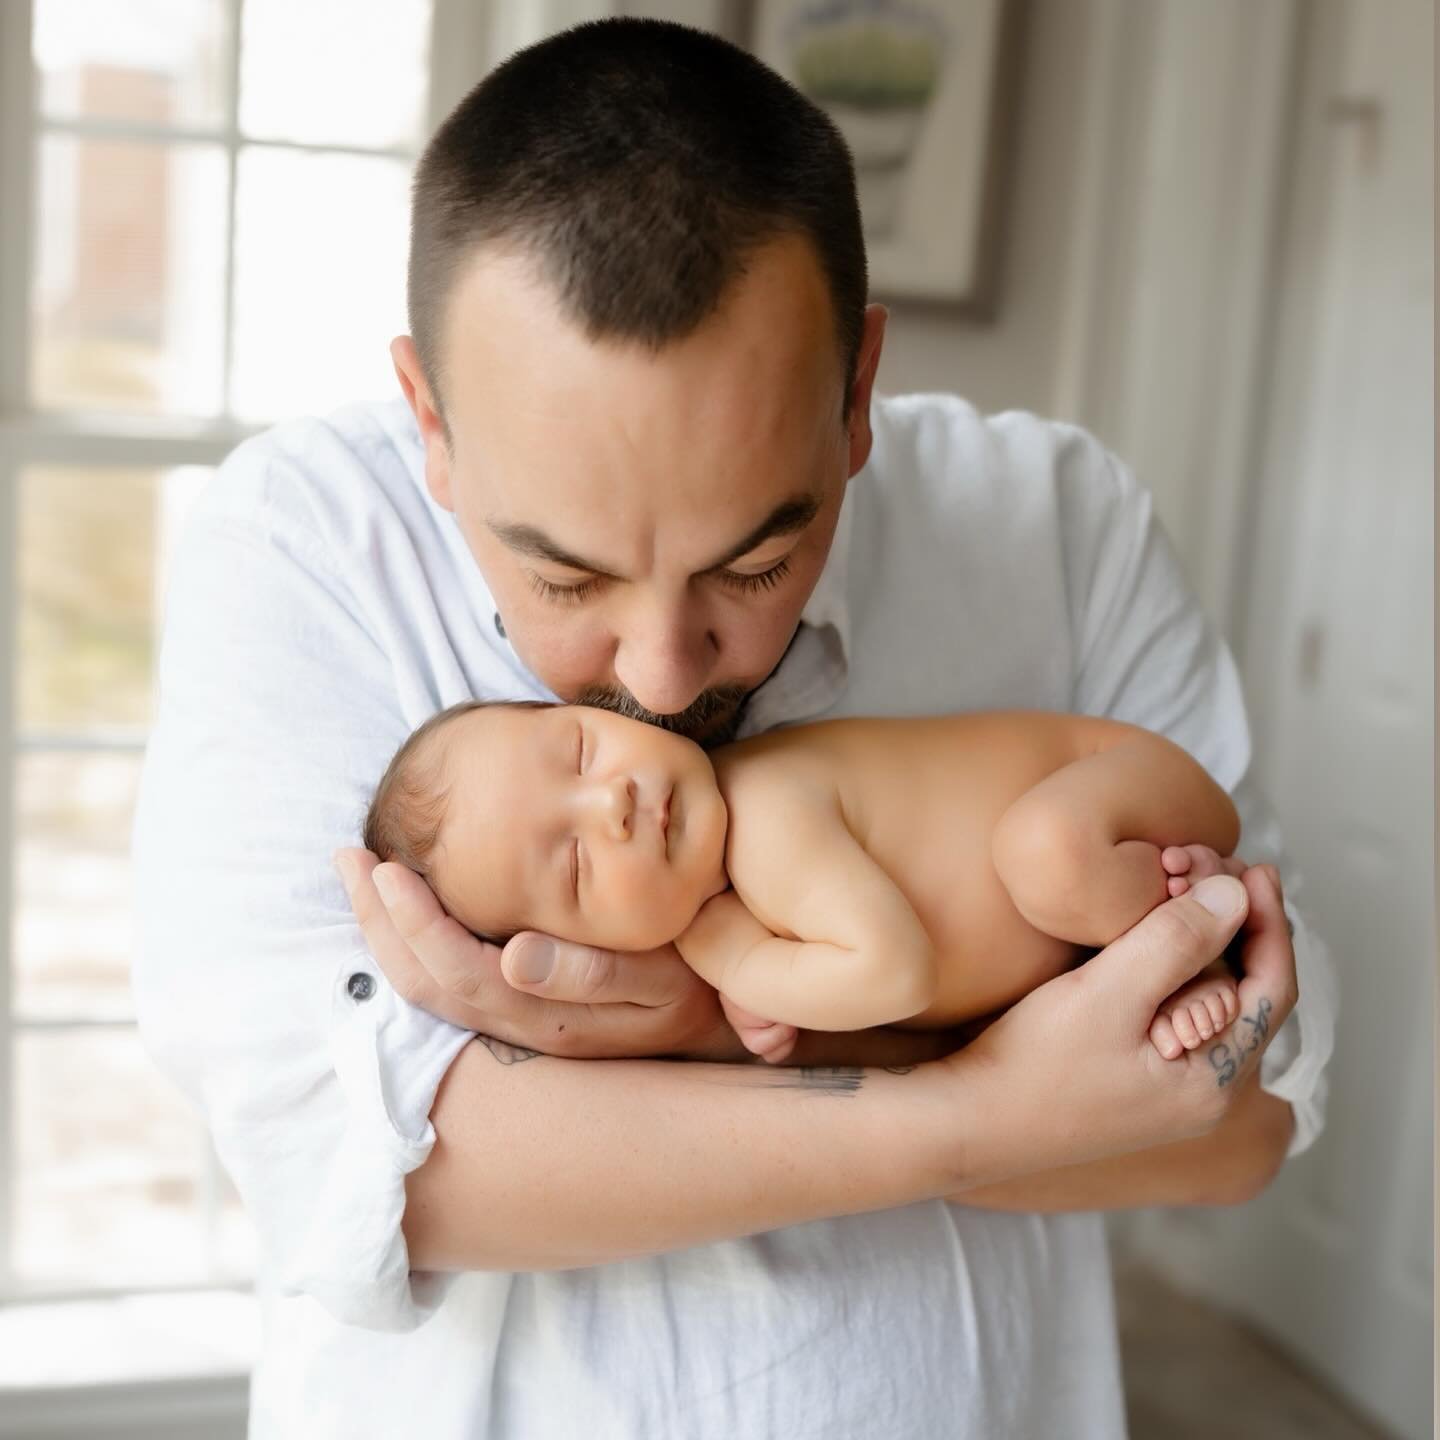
column 640, row 464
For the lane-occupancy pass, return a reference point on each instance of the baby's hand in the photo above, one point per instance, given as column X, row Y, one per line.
column 768, row 1039
column 1196, row 1012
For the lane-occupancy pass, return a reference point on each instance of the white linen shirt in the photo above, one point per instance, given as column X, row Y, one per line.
column 322, row 606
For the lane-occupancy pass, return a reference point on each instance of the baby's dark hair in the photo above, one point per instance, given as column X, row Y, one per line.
column 408, row 809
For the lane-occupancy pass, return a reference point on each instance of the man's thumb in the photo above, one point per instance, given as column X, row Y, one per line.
column 1175, row 941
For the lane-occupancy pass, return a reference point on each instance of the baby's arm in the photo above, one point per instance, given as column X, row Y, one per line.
column 862, row 957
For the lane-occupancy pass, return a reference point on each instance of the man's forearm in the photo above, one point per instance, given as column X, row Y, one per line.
column 1230, row 1165
column 543, row 1163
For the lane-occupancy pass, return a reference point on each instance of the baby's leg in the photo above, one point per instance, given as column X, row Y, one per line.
column 1080, row 853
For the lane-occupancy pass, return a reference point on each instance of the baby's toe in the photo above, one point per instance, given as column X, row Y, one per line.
column 1175, row 859
column 1177, row 885
column 1200, row 1015
column 1163, row 1038
column 1215, row 1004
column 1185, row 1029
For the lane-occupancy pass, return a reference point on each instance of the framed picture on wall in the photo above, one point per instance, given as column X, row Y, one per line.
column 924, row 93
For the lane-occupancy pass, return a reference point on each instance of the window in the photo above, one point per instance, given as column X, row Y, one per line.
column 203, row 217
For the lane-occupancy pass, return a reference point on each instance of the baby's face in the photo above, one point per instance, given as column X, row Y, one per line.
column 578, row 823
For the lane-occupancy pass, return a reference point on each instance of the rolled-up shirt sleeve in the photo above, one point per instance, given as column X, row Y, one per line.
column 1147, row 653
column 277, row 711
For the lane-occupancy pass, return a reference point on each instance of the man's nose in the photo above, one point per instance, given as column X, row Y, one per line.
column 665, row 663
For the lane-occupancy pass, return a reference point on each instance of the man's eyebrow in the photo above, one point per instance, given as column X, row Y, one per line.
column 787, row 518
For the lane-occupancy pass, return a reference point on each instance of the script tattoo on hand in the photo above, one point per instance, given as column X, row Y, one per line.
column 1250, row 1033
column 506, row 1053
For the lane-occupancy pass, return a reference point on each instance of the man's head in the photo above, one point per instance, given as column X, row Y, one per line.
column 641, row 359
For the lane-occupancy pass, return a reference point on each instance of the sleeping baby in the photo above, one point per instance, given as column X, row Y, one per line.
column 831, row 876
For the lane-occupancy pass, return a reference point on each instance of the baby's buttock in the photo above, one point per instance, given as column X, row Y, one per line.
column 926, row 809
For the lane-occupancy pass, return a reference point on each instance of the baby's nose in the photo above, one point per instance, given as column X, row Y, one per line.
column 617, row 806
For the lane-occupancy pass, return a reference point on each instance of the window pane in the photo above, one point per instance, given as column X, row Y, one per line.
column 111, row 1165
column 86, row 568
column 92, row 555
column 128, row 304
column 72, row 935
column 160, row 62
column 370, row 88
column 321, row 247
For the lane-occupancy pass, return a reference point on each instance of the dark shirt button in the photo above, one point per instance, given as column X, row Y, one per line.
column 360, row 985
column 499, row 625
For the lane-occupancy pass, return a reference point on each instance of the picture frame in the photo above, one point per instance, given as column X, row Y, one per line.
column 925, row 93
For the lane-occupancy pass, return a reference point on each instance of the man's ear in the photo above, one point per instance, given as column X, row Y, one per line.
column 427, row 416
column 872, row 338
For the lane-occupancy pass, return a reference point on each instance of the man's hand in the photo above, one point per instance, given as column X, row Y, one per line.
column 1069, row 1071
column 591, row 1004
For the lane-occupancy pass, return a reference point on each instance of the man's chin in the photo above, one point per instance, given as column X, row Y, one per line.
column 712, row 719
column 722, row 729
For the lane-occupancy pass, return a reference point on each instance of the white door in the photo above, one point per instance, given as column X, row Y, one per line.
column 1336, row 1259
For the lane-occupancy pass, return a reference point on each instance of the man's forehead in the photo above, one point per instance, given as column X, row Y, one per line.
column 547, row 542
column 763, row 368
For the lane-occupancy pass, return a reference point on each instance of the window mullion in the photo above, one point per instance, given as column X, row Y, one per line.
column 17, row 244
column 232, row 162
column 16, row 251
column 73, row 438
column 9, row 515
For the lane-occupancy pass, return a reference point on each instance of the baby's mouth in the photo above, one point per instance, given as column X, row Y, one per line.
column 666, row 815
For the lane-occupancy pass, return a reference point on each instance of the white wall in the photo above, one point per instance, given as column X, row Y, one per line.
column 1013, row 362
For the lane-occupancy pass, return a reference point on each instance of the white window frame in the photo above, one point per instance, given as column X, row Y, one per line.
column 465, row 35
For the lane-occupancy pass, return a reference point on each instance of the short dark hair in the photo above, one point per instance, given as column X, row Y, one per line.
column 639, row 162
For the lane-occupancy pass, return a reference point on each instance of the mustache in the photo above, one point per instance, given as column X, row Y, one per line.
column 714, row 714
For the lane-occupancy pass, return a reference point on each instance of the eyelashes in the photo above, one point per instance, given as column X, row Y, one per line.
column 562, row 594
column 575, row 594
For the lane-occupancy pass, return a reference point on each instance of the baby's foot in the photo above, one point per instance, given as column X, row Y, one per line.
column 1188, row 864
column 1195, row 1013
column 768, row 1039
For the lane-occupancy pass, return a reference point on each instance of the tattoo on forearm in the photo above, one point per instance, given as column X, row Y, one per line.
column 825, row 1079
column 505, row 1053
column 1250, row 1033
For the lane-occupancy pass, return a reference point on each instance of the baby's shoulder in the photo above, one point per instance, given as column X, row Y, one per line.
column 781, row 768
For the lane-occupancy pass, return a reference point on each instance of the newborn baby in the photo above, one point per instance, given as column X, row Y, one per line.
column 830, row 876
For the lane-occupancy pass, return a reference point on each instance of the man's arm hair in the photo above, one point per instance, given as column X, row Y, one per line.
column 543, row 1163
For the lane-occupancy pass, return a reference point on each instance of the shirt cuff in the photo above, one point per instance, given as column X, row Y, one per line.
column 389, row 1058
column 1293, row 1065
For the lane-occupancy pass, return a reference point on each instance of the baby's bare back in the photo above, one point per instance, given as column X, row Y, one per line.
column 923, row 797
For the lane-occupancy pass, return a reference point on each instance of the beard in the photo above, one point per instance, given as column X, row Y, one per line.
column 711, row 719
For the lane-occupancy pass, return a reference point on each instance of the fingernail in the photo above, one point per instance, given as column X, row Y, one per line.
column 385, row 884
column 531, row 962
column 346, row 867
column 1222, row 895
